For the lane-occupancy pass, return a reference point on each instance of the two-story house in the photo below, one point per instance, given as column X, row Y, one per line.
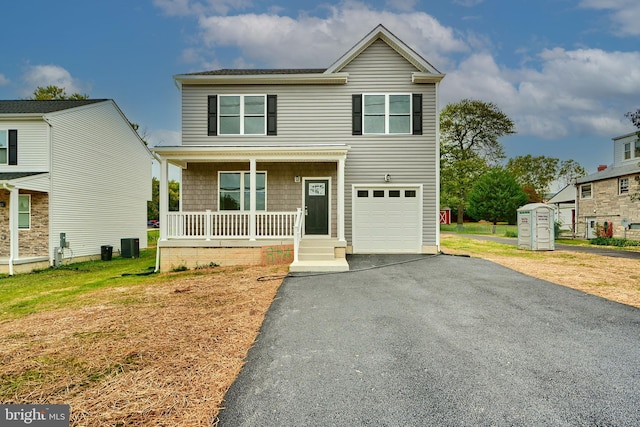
column 306, row 165
column 74, row 176
column 611, row 196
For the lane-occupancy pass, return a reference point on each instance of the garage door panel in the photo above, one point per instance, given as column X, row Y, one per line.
column 388, row 223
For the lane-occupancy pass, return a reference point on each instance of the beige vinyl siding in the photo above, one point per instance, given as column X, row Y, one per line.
column 33, row 145
column 101, row 179
column 322, row 114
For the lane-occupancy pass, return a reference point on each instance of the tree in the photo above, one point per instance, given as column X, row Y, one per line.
column 469, row 146
column 54, row 93
column 153, row 206
column 496, row 196
column 634, row 116
column 536, row 174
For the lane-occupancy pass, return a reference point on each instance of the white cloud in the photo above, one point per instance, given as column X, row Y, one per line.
column 468, row 3
column 3, row 80
column 625, row 14
column 45, row 75
column 282, row 41
column 578, row 92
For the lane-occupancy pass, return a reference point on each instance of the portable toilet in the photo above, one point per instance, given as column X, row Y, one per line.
column 536, row 227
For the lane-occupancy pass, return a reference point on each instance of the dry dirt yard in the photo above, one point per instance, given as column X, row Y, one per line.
column 161, row 355
column 165, row 355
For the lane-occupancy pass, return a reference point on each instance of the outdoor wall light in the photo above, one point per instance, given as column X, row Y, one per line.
column 387, row 177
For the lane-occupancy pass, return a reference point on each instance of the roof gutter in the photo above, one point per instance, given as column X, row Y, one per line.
column 262, row 79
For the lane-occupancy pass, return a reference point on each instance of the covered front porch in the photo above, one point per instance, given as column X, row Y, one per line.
column 254, row 206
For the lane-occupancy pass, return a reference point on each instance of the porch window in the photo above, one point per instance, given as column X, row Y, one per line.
column 387, row 114
column 24, row 211
column 242, row 114
column 585, row 191
column 234, row 189
column 623, row 185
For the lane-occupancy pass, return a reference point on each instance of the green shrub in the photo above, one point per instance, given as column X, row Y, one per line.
column 511, row 233
column 613, row 241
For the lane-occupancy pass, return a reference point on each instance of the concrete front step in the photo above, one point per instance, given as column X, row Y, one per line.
column 335, row 265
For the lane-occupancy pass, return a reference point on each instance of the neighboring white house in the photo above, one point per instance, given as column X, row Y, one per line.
column 306, row 165
column 564, row 202
column 71, row 166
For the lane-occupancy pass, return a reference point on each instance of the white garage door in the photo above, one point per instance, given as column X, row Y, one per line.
column 387, row 220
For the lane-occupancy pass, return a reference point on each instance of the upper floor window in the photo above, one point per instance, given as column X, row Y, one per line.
column 8, row 147
column 242, row 115
column 637, row 150
column 623, row 185
column 585, row 191
column 627, row 151
column 234, row 189
column 387, row 114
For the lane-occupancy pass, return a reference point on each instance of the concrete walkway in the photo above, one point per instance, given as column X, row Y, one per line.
column 438, row 340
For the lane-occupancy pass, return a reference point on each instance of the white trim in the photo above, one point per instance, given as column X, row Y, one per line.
column 420, row 200
column 590, row 184
column 262, row 79
column 329, row 207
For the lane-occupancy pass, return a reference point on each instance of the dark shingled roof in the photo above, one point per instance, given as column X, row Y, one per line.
column 248, row 72
column 8, row 176
column 42, row 107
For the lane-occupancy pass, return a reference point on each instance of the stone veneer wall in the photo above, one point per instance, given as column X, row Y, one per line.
column 200, row 185
column 607, row 205
column 34, row 241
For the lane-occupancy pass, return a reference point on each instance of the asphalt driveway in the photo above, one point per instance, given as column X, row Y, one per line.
column 440, row 340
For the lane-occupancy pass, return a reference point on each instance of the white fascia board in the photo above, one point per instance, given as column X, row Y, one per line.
column 426, row 78
column 262, row 79
column 181, row 154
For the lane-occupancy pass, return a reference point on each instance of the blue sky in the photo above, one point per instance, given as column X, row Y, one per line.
column 565, row 71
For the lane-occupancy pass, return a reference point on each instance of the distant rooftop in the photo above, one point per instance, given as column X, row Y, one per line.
column 42, row 107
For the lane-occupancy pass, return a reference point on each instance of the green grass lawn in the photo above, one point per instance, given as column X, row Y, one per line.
column 71, row 284
column 481, row 228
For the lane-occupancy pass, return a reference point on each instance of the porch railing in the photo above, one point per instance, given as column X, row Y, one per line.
column 230, row 225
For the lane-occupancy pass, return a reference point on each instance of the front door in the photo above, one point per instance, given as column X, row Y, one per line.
column 591, row 228
column 316, row 201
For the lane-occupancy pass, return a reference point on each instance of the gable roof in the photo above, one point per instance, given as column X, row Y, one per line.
column 566, row 195
column 333, row 75
column 42, row 107
column 381, row 33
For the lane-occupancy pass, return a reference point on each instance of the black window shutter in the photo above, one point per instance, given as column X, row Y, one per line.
column 417, row 114
column 212, row 115
column 357, row 114
column 13, row 146
column 272, row 114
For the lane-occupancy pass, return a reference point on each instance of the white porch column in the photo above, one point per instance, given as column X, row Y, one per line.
column 163, row 210
column 252, row 199
column 14, row 244
column 340, row 184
